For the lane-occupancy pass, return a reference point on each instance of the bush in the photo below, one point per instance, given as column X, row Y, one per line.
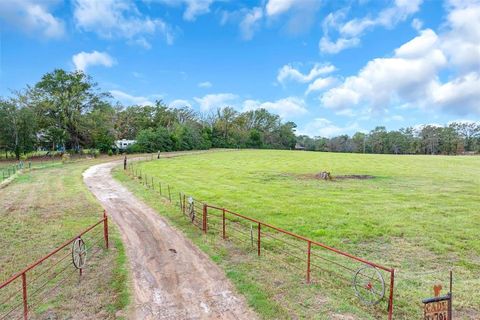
column 94, row 152
column 110, row 152
column 65, row 158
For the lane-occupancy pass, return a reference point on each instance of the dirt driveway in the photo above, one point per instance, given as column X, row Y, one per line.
column 172, row 278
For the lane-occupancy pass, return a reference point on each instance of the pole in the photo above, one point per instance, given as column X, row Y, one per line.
column 184, row 207
column 390, row 300
column 105, row 228
column 24, row 295
column 309, row 248
column 205, row 218
column 258, row 239
column 169, row 194
column 451, row 297
column 223, row 210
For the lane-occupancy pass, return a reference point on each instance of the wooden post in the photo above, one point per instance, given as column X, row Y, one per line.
column 205, row 218
column 308, row 260
column 24, row 295
column 223, row 210
column 258, row 238
column 105, row 228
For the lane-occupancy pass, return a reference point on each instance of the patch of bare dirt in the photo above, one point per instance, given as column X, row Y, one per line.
column 354, row 176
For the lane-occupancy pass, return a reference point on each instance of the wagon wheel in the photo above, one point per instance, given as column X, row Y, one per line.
column 79, row 253
column 369, row 285
column 191, row 208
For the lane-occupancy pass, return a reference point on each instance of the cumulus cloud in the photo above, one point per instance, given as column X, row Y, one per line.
column 119, row 19
column 320, row 84
column 287, row 107
column 205, row 84
column 193, row 8
column 213, row 101
column 290, row 73
column 321, row 127
column 180, row 103
column 406, row 76
column 32, row 17
column 411, row 77
column 83, row 60
column 351, row 31
column 250, row 22
column 128, row 99
column 275, row 7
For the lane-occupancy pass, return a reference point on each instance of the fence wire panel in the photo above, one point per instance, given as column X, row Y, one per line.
column 27, row 291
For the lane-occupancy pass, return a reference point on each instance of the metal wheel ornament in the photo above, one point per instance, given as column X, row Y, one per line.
column 369, row 285
column 79, row 253
column 191, row 208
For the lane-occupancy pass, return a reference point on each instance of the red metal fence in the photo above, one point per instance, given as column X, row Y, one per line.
column 31, row 287
column 311, row 258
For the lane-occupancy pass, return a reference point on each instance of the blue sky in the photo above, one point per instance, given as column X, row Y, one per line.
column 332, row 67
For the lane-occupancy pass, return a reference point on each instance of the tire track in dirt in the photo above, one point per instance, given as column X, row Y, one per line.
column 166, row 285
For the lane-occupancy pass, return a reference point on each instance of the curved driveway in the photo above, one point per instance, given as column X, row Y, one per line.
column 172, row 278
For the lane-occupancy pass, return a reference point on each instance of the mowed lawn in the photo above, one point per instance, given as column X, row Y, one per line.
column 41, row 209
column 419, row 214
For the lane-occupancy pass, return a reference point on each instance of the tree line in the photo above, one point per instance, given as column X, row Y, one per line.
column 66, row 111
column 455, row 138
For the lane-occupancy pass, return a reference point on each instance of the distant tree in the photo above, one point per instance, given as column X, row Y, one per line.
column 60, row 100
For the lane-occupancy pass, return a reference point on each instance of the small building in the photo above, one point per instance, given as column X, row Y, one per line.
column 298, row 146
column 124, row 143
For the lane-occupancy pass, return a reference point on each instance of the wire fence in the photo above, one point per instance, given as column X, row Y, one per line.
column 25, row 292
column 364, row 281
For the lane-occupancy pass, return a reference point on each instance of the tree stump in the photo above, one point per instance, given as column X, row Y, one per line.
column 324, row 175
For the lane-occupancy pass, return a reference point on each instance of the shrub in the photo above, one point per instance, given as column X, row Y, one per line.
column 65, row 158
column 110, row 152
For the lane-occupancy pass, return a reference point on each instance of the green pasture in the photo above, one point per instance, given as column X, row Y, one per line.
column 418, row 214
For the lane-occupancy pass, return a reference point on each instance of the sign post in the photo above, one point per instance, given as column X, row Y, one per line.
column 439, row 307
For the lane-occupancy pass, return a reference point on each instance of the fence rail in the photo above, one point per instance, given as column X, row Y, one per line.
column 303, row 254
column 59, row 264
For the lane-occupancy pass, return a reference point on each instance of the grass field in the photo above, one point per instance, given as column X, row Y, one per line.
column 41, row 209
column 419, row 215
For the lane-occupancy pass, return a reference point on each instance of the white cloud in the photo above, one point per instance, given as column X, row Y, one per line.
column 285, row 108
column 251, row 22
column 218, row 100
column 288, row 72
column 275, row 7
column 118, row 19
column 417, row 24
column 412, row 77
column 193, row 8
column 328, row 46
column 320, row 84
column 205, row 84
column 461, row 95
column 406, row 76
column 83, row 60
column 351, row 31
column 128, row 99
column 321, row 127
column 32, row 17
column 180, row 103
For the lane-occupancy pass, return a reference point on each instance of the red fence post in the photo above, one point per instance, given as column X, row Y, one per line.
column 309, row 248
column 24, row 293
column 223, row 216
column 105, row 228
column 205, row 218
column 258, row 239
column 390, row 300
